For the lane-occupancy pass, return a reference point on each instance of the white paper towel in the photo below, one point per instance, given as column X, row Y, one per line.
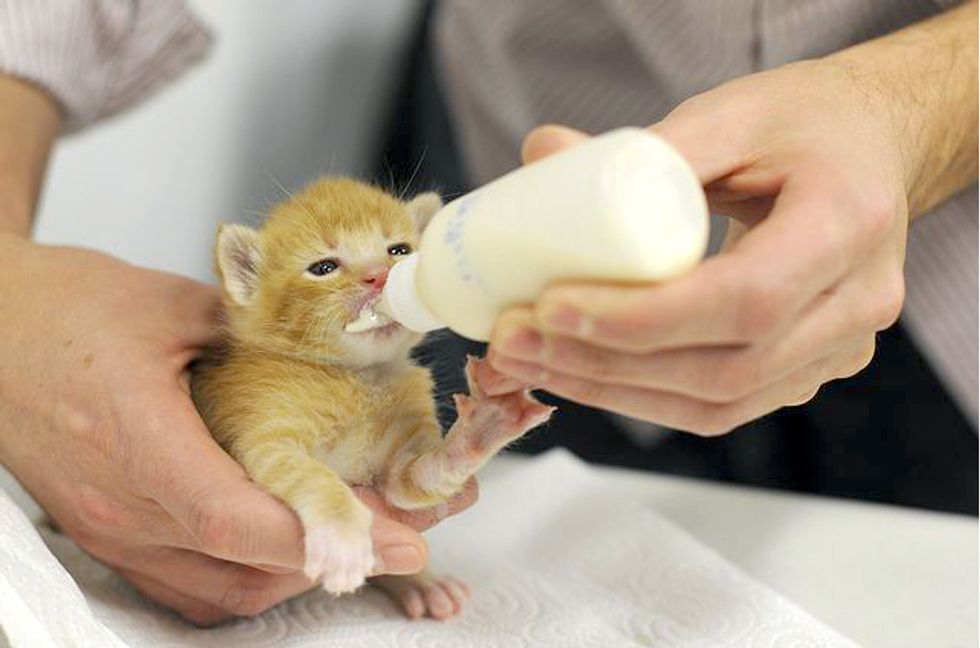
column 555, row 555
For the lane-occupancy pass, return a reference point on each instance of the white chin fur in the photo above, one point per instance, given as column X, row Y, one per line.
column 367, row 320
column 374, row 346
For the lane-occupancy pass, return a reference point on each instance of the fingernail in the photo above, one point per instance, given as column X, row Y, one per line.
column 524, row 343
column 400, row 559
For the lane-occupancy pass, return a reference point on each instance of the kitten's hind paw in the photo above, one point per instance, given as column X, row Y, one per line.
column 440, row 597
column 340, row 554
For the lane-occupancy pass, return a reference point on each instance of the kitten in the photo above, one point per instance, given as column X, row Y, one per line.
column 309, row 409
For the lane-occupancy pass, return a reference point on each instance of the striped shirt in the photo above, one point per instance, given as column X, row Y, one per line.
column 98, row 57
column 509, row 65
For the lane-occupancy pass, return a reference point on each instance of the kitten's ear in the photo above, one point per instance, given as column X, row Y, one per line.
column 423, row 207
column 238, row 257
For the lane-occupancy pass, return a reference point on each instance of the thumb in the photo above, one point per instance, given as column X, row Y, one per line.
column 420, row 519
column 208, row 493
column 550, row 138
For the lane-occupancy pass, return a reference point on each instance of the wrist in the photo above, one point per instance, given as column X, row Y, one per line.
column 920, row 85
column 881, row 119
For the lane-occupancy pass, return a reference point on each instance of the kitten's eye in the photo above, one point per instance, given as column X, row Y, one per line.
column 400, row 249
column 322, row 267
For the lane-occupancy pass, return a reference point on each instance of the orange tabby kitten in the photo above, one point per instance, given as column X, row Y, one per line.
column 309, row 409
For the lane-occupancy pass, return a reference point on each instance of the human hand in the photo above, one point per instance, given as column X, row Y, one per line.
column 97, row 423
column 811, row 160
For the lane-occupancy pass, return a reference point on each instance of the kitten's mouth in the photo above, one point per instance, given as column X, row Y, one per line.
column 369, row 319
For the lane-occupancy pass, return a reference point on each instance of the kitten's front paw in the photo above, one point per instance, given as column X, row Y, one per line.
column 491, row 422
column 340, row 552
column 514, row 412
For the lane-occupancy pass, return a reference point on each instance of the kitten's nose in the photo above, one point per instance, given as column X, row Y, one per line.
column 376, row 277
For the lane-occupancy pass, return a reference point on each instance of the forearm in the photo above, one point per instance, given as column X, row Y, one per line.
column 925, row 79
column 29, row 123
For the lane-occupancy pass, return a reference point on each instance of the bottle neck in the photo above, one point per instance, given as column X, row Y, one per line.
column 401, row 300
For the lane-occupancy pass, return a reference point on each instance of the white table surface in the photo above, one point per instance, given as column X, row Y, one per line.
column 882, row 575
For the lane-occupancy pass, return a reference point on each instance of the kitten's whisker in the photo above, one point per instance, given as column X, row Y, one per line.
column 411, row 178
column 386, row 168
column 290, row 194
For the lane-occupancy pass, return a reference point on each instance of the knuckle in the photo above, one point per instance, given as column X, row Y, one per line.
column 586, row 391
column 95, row 514
column 595, row 362
column 78, row 422
column 714, row 420
column 246, row 597
column 85, row 538
column 857, row 361
column 890, row 299
column 90, row 427
column 632, row 329
column 760, row 308
column 216, row 530
column 805, row 397
column 878, row 212
column 583, row 391
column 203, row 615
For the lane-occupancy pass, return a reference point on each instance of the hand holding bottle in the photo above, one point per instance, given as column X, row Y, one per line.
column 814, row 168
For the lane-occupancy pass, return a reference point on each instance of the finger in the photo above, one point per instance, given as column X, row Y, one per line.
column 126, row 518
column 733, row 298
column 197, row 612
column 398, row 548
column 694, row 415
column 272, row 569
column 200, row 325
column 493, row 383
column 208, row 493
column 235, row 589
column 425, row 518
column 193, row 309
column 422, row 519
column 715, row 374
column 138, row 521
column 550, row 138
